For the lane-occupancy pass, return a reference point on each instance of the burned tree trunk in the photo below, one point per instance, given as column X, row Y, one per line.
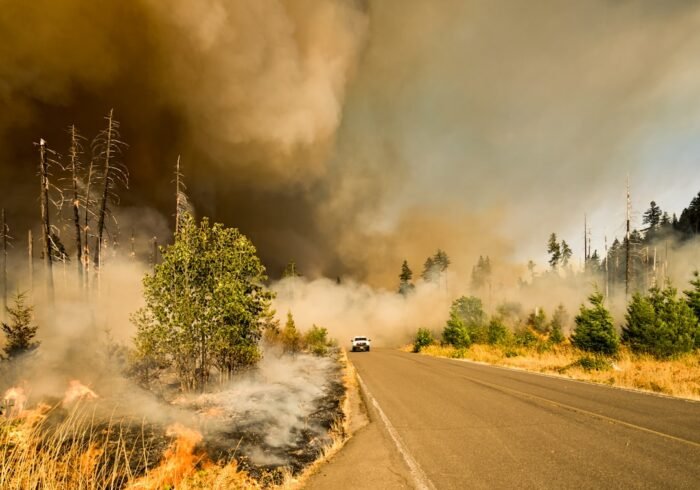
column 30, row 256
column 107, row 170
column 107, row 147
column 3, row 227
column 45, row 219
column 74, row 168
column 86, row 223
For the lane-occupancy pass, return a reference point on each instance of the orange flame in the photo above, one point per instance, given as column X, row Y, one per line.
column 14, row 401
column 179, row 460
column 78, row 391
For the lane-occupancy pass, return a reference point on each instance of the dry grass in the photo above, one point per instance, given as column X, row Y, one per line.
column 678, row 377
column 54, row 449
column 68, row 446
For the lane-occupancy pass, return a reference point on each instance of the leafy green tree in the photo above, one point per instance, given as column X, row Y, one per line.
column 554, row 251
column 692, row 298
column 19, row 333
column 468, row 313
column 205, row 304
column 456, row 333
column 556, row 326
column 424, row 338
column 660, row 323
column 594, row 331
column 405, row 284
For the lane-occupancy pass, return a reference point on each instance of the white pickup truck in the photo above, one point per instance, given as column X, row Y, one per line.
column 361, row 343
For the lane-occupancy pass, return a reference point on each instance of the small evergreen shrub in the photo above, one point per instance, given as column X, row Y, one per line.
column 660, row 323
column 424, row 338
column 594, row 330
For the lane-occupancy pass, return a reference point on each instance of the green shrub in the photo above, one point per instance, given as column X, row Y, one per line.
column 660, row 324
column 497, row 332
column 594, row 330
column 538, row 321
column 460, row 353
column 592, row 363
column 424, row 338
column 316, row 340
column 559, row 319
column 525, row 337
column 455, row 333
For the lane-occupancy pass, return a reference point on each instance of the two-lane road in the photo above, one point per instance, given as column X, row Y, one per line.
column 466, row 425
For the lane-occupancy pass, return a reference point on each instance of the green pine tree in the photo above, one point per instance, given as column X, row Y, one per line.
column 692, row 298
column 594, row 331
column 554, row 251
column 19, row 333
column 405, row 284
column 556, row 326
column 660, row 323
column 291, row 338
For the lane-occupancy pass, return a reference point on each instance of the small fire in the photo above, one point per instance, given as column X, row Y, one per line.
column 78, row 391
column 14, row 401
column 178, row 462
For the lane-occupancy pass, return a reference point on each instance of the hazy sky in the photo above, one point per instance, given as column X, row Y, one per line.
column 350, row 134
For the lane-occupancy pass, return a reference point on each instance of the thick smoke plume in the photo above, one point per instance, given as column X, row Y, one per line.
column 320, row 127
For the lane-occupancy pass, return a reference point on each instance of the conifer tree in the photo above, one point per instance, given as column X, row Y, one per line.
column 660, row 323
column 594, row 331
column 20, row 332
column 554, row 251
column 405, row 284
column 291, row 338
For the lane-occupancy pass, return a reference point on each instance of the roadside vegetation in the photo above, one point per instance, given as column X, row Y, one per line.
column 656, row 349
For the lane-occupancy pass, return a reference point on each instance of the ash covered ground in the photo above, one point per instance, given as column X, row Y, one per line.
column 276, row 416
column 273, row 419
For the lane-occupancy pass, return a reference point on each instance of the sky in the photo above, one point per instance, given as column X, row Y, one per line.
column 350, row 134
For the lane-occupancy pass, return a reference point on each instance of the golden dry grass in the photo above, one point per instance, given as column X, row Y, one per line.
column 66, row 447
column 678, row 377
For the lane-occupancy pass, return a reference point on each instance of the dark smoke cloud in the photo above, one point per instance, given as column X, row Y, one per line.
column 349, row 135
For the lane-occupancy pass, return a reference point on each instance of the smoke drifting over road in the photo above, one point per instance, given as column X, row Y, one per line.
column 320, row 127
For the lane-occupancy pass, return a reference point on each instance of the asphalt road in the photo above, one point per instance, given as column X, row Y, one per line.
column 465, row 425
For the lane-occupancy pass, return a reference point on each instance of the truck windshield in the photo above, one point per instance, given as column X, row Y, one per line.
column 360, row 338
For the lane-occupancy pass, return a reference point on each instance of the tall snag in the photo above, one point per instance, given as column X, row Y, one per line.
column 75, row 168
column 107, row 148
column 3, row 238
column 45, row 218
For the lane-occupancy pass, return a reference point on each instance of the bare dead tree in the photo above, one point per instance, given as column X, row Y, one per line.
column 4, row 228
column 87, row 209
column 182, row 203
column 75, row 167
column 107, row 148
column 45, row 218
column 30, row 256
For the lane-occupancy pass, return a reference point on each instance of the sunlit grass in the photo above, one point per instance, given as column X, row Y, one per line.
column 677, row 377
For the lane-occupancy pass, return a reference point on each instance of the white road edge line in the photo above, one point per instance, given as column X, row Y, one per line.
column 419, row 477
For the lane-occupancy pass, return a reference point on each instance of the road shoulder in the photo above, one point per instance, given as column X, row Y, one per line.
column 369, row 459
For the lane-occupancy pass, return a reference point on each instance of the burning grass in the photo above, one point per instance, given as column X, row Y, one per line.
column 82, row 441
column 676, row 377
